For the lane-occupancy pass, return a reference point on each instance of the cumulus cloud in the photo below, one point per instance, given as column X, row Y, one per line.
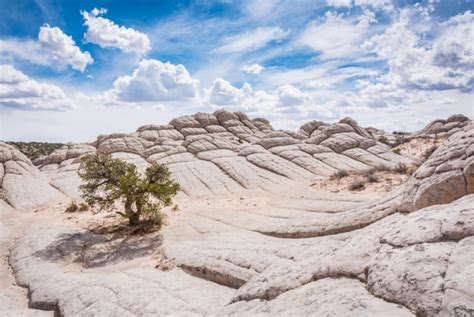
column 63, row 48
column 336, row 36
column 339, row 3
column 290, row 96
column 252, row 69
column 417, row 68
column 153, row 80
column 18, row 91
column 223, row 93
column 53, row 48
column 446, row 63
column 106, row 33
column 286, row 101
column 386, row 5
column 252, row 40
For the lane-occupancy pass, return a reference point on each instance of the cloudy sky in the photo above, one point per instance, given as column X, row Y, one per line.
column 70, row 70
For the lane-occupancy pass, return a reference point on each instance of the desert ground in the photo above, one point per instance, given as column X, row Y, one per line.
column 324, row 221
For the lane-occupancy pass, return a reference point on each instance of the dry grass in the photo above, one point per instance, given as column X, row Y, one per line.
column 356, row 185
column 339, row 174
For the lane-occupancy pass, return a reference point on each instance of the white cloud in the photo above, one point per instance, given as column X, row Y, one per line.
column 453, row 48
column 446, row 63
column 106, row 33
column 289, row 96
column 262, row 8
column 63, row 48
column 375, row 4
column 252, row 69
column 286, row 102
column 29, row 50
column 252, row 40
column 18, row 91
column 153, row 80
column 53, row 48
column 418, row 69
column 336, row 36
column 223, row 93
column 339, row 3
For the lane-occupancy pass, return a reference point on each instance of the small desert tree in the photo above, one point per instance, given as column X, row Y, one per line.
column 107, row 180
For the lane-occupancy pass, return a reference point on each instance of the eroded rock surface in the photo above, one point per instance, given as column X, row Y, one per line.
column 252, row 238
column 21, row 184
column 228, row 153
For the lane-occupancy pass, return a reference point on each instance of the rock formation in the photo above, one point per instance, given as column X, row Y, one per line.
column 251, row 236
column 227, row 153
column 22, row 186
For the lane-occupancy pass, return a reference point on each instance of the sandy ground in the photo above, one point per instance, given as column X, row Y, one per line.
column 376, row 183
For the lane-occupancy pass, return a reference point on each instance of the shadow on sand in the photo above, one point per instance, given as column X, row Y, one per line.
column 101, row 246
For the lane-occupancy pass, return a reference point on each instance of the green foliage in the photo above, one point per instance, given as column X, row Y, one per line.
column 83, row 206
column 72, row 207
column 108, row 180
column 339, row 174
column 383, row 139
column 33, row 150
column 396, row 150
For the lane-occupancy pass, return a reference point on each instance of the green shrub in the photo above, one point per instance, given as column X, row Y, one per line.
column 396, row 150
column 107, row 180
column 33, row 150
column 83, row 206
column 72, row 207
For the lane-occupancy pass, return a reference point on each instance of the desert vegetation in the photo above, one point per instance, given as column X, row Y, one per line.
column 33, row 150
column 109, row 181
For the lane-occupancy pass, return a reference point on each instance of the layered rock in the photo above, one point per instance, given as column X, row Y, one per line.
column 447, row 175
column 227, row 153
column 251, row 238
column 22, row 185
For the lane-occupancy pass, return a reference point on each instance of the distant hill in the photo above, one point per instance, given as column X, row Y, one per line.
column 33, row 150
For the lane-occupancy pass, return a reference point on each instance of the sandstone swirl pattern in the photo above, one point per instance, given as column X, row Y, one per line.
column 252, row 238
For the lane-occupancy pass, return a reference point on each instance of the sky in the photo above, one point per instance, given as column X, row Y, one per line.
column 71, row 70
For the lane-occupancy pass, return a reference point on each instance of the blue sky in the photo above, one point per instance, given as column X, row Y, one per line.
column 71, row 70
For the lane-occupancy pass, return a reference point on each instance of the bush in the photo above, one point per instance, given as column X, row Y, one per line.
column 356, row 185
column 383, row 139
column 371, row 178
column 108, row 181
column 72, row 207
column 83, row 206
column 396, row 150
column 401, row 168
column 34, row 150
column 339, row 174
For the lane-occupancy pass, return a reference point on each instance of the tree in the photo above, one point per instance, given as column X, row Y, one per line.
column 108, row 180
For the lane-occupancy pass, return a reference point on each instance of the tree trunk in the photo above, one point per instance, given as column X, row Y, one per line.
column 134, row 219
